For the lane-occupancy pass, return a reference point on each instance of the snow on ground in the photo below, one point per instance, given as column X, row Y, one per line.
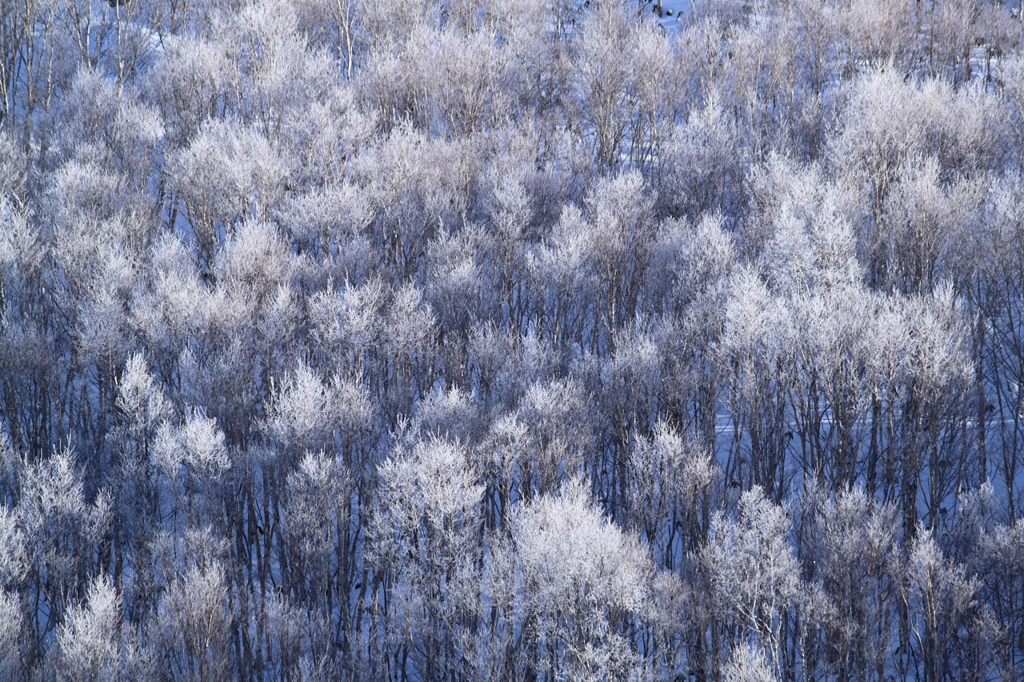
column 670, row 13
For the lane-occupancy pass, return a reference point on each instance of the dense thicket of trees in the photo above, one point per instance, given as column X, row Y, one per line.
column 520, row 340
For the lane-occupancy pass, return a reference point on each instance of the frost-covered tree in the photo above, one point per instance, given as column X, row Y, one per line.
column 669, row 496
column 945, row 615
column 755, row 576
column 851, row 550
column 585, row 582
column 94, row 645
column 426, row 550
column 318, row 549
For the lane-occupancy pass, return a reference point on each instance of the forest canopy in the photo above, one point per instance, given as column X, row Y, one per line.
column 531, row 340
